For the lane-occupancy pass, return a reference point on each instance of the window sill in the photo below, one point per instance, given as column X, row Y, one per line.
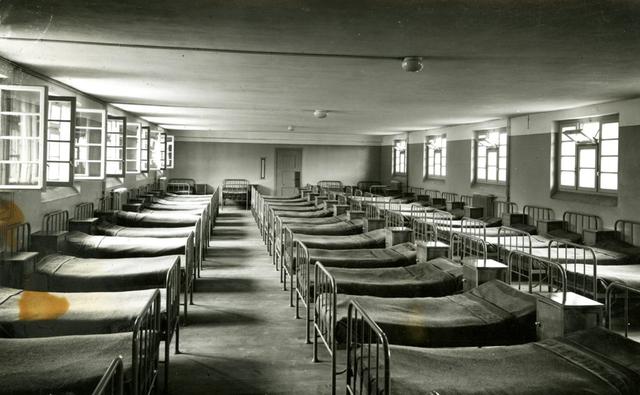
column 436, row 179
column 52, row 194
column 588, row 198
column 113, row 182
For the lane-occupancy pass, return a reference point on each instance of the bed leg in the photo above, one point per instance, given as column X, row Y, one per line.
column 291, row 289
column 177, row 339
column 167, row 345
column 308, row 323
column 315, row 344
column 297, row 306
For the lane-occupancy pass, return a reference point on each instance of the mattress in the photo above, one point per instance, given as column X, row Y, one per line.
column 174, row 202
column 490, row 314
column 438, row 277
column 294, row 208
column 632, row 252
column 595, row 361
column 90, row 246
column 177, row 207
column 60, row 365
column 297, row 203
column 399, row 255
column 305, row 214
column 603, row 257
column 338, row 228
column 373, row 239
column 63, row 273
column 108, row 229
column 313, row 221
column 177, row 212
column 148, row 220
column 43, row 314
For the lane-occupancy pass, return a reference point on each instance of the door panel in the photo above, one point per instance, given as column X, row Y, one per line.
column 288, row 171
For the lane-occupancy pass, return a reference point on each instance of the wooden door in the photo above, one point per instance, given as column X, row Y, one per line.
column 288, row 171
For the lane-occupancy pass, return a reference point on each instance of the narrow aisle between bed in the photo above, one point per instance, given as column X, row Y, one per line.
column 242, row 338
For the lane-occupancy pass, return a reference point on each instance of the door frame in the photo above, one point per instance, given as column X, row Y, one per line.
column 275, row 168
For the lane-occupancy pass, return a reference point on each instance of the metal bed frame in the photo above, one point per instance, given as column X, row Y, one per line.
column 112, row 382
column 441, row 218
column 55, row 221
column 501, row 207
column 467, row 200
column 449, row 196
column 235, row 188
column 628, row 231
column 535, row 213
column 330, row 185
column 83, row 211
column 368, row 347
column 185, row 186
column 578, row 278
column 365, row 185
column 577, row 222
column 16, row 238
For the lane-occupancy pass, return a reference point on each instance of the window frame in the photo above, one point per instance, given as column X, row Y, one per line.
column 122, row 146
column 71, row 142
column 43, row 93
column 397, row 156
column 497, row 150
column 162, row 141
column 136, row 148
column 145, row 139
column 170, row 153
column 103, row 143
column 427, row 157
column 581, row 146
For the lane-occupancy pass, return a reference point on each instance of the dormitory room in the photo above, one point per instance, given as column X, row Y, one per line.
column 368, row 197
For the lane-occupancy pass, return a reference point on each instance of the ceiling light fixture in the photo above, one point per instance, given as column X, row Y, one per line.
column 291, row 128
column 320, row 114
column 412, row 64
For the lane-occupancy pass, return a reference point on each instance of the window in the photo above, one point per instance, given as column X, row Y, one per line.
column 133, row 148
column 170, row 151
column 399, row 156
column 154, row 150
column 588, row 154
column 116, row 127
column 491, row 156
column 435, row 156
column 162, row 143
column 22, row 136
column 60, row 139
column 89, row 144
column 145, row 136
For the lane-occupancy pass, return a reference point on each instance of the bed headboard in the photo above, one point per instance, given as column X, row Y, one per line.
column 16, row 238
column 628, row 231
column 119, row 197
column 467, row 200
column 235, row 185
column 55, row 221
column 415, row 190
column 449, row 196
column 535, row 213
column 365, row 185
column 577, row 222
column 83, row 210
column 501, row 207
column 432, row 193
column 330, row 185
column 468, row 246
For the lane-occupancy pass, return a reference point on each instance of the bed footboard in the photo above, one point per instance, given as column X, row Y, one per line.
column 324, row 318
column 112, row 382
column 368, row 357
column 145, row 347
column 303, row 285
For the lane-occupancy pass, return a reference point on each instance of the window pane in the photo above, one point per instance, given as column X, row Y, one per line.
column 482, row 174
column 114, row 153
column 482, row 151
column 114, row 167
column 609, row 181
column 568, row 179
column 89, row 119
column 19, row 173
column 114, row 139
column 588, row 158
column 568, row 149
column 59, row 110
column 609, row 164
column 503, row 139
column 58, row 152
column 20, row 150
column 568, row 163
column 610, row 130
column 587, row 178
column 58, row 172
column 430, row 170
column 492, row 173
column 20, row 125
column 482, row 162
column 502, row 175
column 609, row 147
column 503, row 163
column 444, row 171
column 20, row 101
column 437, row 171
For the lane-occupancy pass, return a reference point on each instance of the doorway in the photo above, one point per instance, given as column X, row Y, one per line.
column 288, row 170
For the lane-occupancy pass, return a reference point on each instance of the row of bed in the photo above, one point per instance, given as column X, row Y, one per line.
column 86, row 302
column 406, row 290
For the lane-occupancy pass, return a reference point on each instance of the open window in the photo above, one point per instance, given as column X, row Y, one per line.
column 115, row 145
column 491, row 156
column 435, row 157
column 132, row 149
column 90, row 140
column 60, row 140
column 162, row 147
column 23, row 114
column 588, row 154
column 170, row 151
column 400, row 157
column 145, row 137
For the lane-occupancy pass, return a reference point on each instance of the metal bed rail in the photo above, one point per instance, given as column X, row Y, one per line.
column 468, row 247
column 289, row 265
column 610, row 298
column 365, row 185
column 423, row 230
column 535, row 213
column 467, row 200
column 172, row 321
column 83, row 210
column 324, row 317
column 628, row 231
column 432, row 193
column 553, row 279
column 580, row 263
column 145, row 348
column 474, row 227
column 330, row 185
column 501, row 207
column 55, row 221
column 449, row 196
column 303, row 286
column 577, row 222
column 235, row 189
column 368, row 358
column 512, row 239
column 443, row 221
column 112, row 382
column 16, row 238
column 393, row 219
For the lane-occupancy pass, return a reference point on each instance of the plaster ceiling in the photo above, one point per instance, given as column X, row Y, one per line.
column 256, row 66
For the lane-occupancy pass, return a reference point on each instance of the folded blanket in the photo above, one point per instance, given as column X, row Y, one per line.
column 338, row 228
column 109, row 229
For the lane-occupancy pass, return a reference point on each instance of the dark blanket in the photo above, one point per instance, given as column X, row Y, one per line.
column 339, row 228
column 88, row 246
column 63, row 273
column 108, row 229
column 438, row 277
column 301, row 203
column 373, row 239
column 178, row 212
column 631, row 251
column 42, row 314
column 177, row 207
column 491, row 314
column 564, row 235
column 70, row 365
column 164, row 220
column 399, row 255
column 294, row 208
column 305, row 214
column 313, row 221
column 595, row 361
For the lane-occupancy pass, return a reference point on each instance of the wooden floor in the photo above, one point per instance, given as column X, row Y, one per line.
column 242, row 337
